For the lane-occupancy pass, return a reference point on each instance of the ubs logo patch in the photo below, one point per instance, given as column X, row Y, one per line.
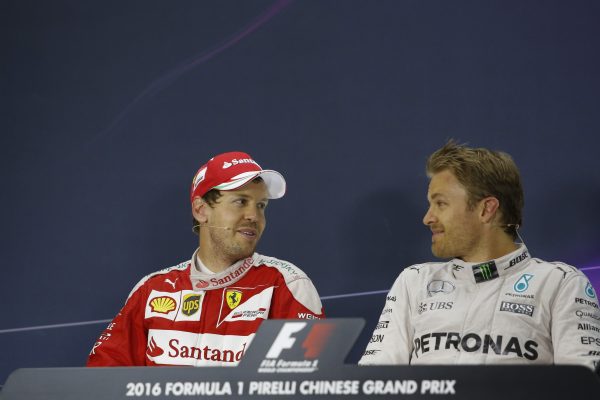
column 435, row 305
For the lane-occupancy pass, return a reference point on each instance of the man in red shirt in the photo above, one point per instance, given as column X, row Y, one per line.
column 205, row 311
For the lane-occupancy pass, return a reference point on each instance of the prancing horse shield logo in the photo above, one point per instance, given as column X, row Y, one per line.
column 233, row 298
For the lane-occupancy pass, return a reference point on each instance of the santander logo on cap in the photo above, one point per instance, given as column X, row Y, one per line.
column 235, row 161
column 229, row 171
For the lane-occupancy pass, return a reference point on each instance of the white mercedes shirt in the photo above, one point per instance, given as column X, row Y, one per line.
column 514, row 309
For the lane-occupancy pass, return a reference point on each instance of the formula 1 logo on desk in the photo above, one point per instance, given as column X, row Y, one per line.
column 297, row 357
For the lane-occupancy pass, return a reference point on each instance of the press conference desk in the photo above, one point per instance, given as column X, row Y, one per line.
column 276, row 366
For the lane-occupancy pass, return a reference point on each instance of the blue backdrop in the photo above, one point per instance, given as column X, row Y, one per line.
column 109, row 108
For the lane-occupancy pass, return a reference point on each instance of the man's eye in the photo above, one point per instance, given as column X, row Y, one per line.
column 240, row 202
column 440, row 203
column 262, row 206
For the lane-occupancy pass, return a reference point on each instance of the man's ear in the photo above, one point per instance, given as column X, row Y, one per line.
column 199, row 210
column 489, row 208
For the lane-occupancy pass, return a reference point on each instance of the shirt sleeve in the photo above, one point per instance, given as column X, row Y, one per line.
column 297, row 299
column 124, row 341
column 391, row 342
column 576, row 323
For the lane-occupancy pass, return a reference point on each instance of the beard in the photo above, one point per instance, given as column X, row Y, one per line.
column 230, row 247
column 455, row 244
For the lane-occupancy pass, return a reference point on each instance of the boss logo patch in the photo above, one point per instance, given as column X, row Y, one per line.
column 517, row 308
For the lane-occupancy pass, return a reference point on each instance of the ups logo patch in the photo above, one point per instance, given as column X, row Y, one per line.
column 190, row 304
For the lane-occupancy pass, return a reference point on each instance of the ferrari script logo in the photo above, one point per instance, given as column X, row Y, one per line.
column 234, row 297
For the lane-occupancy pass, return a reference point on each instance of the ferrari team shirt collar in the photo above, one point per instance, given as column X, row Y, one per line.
column 200, row 267
column 207, row 280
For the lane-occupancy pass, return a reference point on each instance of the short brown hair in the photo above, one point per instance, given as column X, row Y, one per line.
column 484, row 173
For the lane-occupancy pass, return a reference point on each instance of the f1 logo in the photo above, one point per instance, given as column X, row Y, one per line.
column 284, row 339
column 313, row 343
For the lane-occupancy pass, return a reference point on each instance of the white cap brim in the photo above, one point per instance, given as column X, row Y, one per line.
column 273, row 180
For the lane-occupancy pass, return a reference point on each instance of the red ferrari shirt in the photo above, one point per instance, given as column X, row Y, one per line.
column 181, row 316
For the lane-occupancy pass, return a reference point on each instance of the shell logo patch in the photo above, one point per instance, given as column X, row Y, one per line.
column 163, row 305
column 234, row 297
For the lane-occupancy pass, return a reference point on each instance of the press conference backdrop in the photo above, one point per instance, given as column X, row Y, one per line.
column 109, row 108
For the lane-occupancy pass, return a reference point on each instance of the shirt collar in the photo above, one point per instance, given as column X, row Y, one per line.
column 208, row 280
column 488, row 270
column 199, row 265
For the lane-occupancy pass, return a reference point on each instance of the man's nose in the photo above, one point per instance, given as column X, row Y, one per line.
column 251, row 214
column 429, row 218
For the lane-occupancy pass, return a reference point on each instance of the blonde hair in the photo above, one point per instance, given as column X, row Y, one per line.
column 483, row 173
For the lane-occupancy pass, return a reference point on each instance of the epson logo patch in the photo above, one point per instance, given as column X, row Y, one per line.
column 517, row 308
